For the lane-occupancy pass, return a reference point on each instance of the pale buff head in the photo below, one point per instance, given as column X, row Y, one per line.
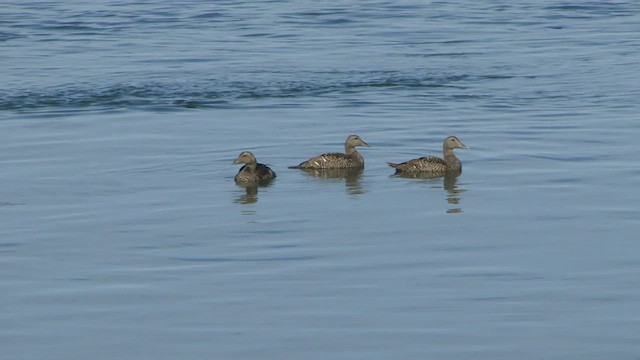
column 353, row 141
column 452, row 142
column 245, row 157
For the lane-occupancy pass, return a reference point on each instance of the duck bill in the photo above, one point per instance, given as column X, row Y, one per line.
column 365, row 144
column 236, row 161
column 463, row 146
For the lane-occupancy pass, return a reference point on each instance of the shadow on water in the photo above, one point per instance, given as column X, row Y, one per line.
column 449, row 180
column 351, row 178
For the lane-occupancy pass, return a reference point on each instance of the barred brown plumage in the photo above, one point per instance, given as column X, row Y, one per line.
column 252, row 171
column 350, row 159
column 432, row 164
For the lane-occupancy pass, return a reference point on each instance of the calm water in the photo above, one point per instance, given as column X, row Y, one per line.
column 124, row 236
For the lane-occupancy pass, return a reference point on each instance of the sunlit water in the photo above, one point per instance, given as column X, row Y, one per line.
column 124, row 236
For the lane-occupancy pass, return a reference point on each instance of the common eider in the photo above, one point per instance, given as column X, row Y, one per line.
column 252, row 171
column 351, row 159
column 432, row 164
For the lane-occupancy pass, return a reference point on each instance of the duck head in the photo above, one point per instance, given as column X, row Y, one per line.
column 245, row 157
column 354, row 140
column 452, row 142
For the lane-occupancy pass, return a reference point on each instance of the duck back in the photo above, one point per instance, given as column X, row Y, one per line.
column 424, row 164
column 261, row 173
column 333, row 161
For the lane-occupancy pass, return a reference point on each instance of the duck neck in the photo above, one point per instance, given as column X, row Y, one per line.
column 450, row 158
column 252, row 166
column 350, row 150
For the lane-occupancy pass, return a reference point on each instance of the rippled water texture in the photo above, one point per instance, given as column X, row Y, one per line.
column 124, row 236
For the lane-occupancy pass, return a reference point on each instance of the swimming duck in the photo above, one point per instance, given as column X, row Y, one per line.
column 349, row 160
column 252, row 171
column 432, row 164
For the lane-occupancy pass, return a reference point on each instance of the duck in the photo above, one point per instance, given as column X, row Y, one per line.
column 351, row 159
column 433, row 164
column 252, row 171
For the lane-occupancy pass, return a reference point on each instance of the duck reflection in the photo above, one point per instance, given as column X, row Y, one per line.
column 251, row 192
column 351, row 177
column 449, row 180
column 249, row 197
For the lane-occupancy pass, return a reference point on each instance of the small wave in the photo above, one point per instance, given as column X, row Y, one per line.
column 246, row 259
column 4, row 203
column 5, row 36
column 209, row 15
column 591, row 9
column 211, row 93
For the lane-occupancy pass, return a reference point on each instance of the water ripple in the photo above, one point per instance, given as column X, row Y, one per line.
column 6, row 36
column 213, row 93
column 238, row 259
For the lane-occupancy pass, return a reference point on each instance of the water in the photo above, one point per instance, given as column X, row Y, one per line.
column 124, row 236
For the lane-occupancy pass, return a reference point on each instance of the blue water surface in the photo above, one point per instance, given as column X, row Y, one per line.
column 124, row 236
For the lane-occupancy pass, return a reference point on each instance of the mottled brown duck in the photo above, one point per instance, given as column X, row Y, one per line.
column 252, row 171
column 351, row 158
column 433, row 164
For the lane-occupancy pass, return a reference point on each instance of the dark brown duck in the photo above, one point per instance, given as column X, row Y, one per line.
column 349, row 160
column 433, row 164
column 252, row 171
